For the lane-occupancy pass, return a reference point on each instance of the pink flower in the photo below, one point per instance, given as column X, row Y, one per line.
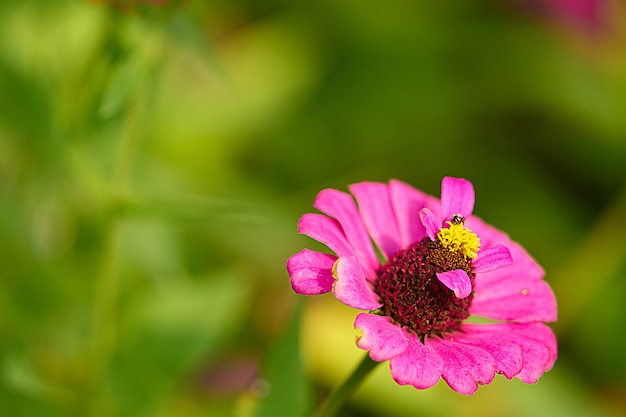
column 585, row 15
column 441, row 266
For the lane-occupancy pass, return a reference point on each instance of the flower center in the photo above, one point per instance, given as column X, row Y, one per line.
column 459, row 238
column 412, row 295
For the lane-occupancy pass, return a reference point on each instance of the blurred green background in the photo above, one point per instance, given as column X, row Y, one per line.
column 154, row 160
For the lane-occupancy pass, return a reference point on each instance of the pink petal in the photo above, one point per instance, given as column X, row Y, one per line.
column 351, row 287
column 523, row 267
column 523, row 264
column 503, row 277
column 536, row 341
column 464, row 366
column 582, row 14
column 377, row 214
column 434, row 204
column 507, row 355
column 457, row 197
column 341, row 206
column 311, row 272
column 457, row 280
column 489, row 235
column 419, row 365
column 407, row 202
column 381, row 337
column 327, row 231
column 520, row 300
column 538, row 335
column 492, row 258
column 431, row 222
column 541, row 333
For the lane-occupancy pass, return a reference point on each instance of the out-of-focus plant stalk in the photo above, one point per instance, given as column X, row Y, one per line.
column 106, row 292
column 107, row 278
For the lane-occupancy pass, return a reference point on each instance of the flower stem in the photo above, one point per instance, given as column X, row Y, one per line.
column 333, row 403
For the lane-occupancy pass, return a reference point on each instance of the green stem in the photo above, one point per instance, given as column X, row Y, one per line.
column 108, row 284
column 333, row 403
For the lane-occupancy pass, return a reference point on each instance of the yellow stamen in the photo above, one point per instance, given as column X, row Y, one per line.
column 459, row 238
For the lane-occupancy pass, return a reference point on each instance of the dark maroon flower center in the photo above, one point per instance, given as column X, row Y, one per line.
column 413, row 296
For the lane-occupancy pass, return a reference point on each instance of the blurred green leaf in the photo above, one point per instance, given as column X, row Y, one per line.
column 24, row 105
column 133, row 64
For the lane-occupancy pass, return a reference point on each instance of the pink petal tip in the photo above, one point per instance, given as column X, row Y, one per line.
column 457, row 280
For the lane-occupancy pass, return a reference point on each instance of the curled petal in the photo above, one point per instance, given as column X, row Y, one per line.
column 419, row 365
column 341, row 206
column 327, row 231
column 464, row 366
column 457, row 197
column 377, row 214
column 430, row 221
column 381, row 337
column 457, row 280
column 311, row 272
column 351, row 287
column 407, row 202
column 492, row 258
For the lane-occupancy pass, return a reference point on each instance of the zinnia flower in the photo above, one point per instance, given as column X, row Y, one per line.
column 584, row 15
column 441, row 266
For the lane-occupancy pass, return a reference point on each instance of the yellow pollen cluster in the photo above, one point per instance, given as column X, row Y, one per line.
column 459, row 238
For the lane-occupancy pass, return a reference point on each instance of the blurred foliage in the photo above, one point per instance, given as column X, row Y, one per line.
column 155, row 158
